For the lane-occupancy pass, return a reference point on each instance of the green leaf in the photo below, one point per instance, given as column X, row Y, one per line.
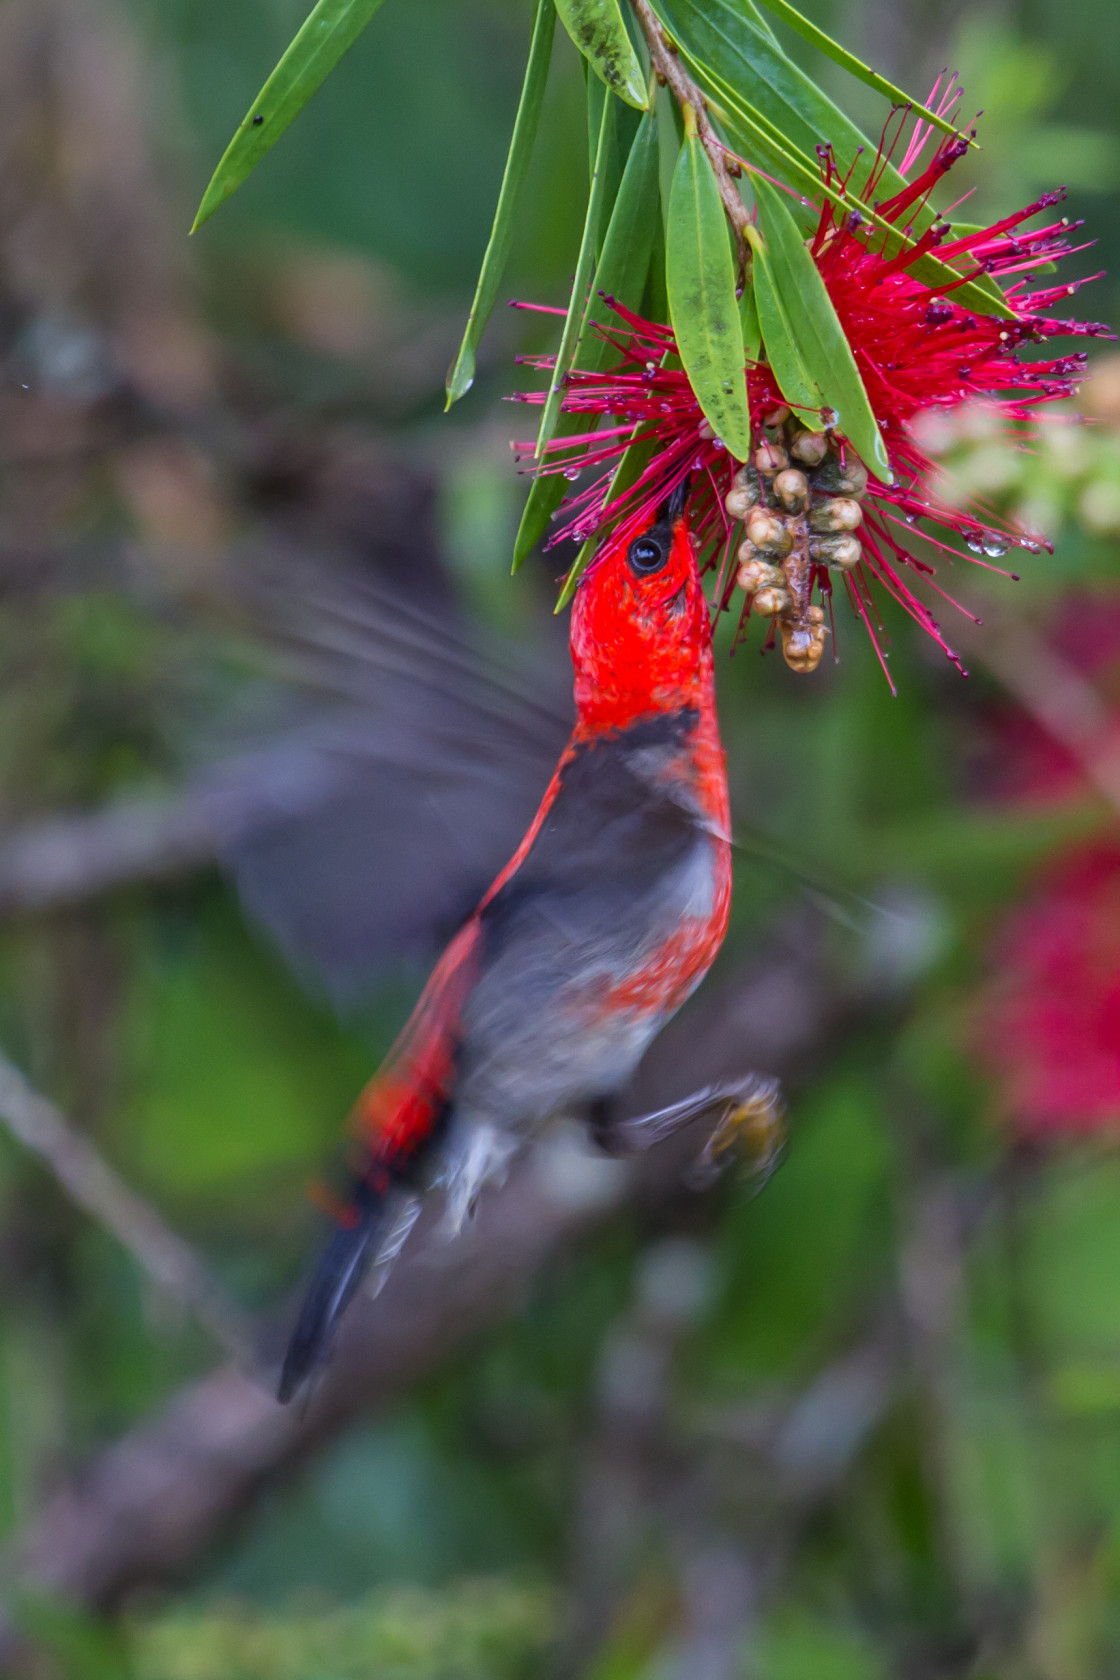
column 748, row 320
column 758, row 137
column 825, row 351
column 598, row 31
column 331, row 27
column 576, row 316
column 624, row 126
column 628, row 242
column 780, row 340
column 855, row 67
column 460, row 376
column 777, row 116
column 703, row 308
column 721, row 40
column 621, row 274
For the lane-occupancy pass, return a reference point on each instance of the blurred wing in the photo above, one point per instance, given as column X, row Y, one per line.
column 428, row 758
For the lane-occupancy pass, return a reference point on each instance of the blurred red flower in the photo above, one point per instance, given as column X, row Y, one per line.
column 1049, row 1025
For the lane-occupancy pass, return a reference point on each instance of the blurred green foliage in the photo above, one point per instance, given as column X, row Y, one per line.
column 479, row 1631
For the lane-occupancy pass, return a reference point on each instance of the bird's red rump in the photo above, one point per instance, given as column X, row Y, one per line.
column 401, row 1106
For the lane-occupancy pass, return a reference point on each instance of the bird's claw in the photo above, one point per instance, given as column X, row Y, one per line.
column 751, row 1129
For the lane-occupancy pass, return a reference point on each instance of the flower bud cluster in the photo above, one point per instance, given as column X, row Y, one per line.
column 800, row 502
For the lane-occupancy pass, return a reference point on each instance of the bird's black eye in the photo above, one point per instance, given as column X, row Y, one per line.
column 647, row 554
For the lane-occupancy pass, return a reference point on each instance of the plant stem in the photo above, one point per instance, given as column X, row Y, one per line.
column 670, row 71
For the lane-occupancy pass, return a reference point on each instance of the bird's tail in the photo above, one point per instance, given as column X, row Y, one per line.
column 342, row 1266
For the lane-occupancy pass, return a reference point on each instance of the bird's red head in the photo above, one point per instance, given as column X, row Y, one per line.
column 641, row 633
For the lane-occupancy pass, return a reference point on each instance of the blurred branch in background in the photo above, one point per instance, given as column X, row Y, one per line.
column 82, row 1173
column 151, row 1504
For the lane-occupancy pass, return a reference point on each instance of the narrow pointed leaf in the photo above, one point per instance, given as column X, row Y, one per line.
column 703, row 308
column 758, row 138
column 545, row 495
column 779, row 340
column 621, row 274
column 655, row 299
column 720, row 36
column 576, row 317
column 461, row 373
column 623, row 128
column 748, row 320
column 598, row 31
column 330, row 29
column 824, row 348
column 751, row 11
column 779, row 110
column 847, row 61
column 629, row 238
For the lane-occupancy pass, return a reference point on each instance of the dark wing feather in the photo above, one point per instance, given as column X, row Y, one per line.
column 429, row 760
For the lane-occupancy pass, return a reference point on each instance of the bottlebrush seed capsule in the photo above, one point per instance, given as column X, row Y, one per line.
column 768, row 603
column 843, row 552
column 847, row 478
column 802, row 646
column 754, row 573
column 810, row 447
column 792, row 489
column 768, row 532
column 838, row 513
column 746, row 490
column 770, row 458
column 777, row 416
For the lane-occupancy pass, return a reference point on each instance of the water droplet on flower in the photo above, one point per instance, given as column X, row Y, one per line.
column 995, row 547
column 571, row 473
column 910, row 518
column 974, row 545
column 718, row 443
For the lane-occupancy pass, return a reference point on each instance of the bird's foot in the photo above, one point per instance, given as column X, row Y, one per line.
column 750, row 1126
column 751, row 1130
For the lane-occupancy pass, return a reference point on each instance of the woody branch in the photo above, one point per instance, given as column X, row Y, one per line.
column 169, row 1262
column 671, row 73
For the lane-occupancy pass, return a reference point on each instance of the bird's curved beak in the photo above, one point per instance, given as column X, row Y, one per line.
column 675, row 503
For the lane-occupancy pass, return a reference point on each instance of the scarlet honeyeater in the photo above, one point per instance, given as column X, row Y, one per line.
column 608, row 915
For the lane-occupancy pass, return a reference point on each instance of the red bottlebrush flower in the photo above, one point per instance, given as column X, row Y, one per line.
column 917, row 350
column 1050, row 1026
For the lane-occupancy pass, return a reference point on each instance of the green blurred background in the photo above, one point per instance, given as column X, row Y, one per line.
column 864, row 1424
